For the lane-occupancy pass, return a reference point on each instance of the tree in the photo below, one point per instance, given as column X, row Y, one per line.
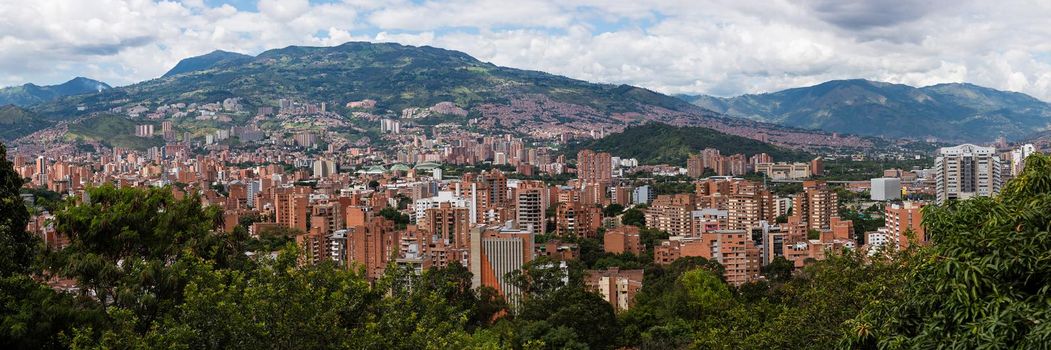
column 813, row 307
column 401, row 220
column 983, row 282
column 650, row 237
column 634, row 217
column 32, row 315
column 676, row 303
column 45, row 198
column 612, row 210
column 779, row 269
column 569, row 318
column 271, row 239
column 413, row 318
column 18, row 248
column 275, row 305
column 538, row 278
column 453, row 284
column 704, row 290
column 127, row 247
column 868, row 220
column 591, row 249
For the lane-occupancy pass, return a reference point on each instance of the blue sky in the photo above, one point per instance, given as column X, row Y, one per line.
column 243, row 5
column 720, row 47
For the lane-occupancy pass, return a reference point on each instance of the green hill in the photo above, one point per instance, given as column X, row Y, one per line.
column 112, row 130
column 657, row 143
column 950, row 112
column 16, row 122
column 29, row 94
column 396, row 76
column 207, row 61
column 500, row 99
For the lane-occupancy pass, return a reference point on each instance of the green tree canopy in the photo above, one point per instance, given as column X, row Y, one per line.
column 570, row 317
column 984, row 280
column 128, row 248
column 17, row 247
column 634, row 217
column 32, row 315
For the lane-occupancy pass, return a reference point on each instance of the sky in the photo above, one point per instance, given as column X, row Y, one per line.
column 717, row 47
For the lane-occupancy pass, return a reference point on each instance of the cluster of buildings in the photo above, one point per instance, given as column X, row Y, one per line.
column 336, row 196
column 710, row 159
column 791, row 171
column 482, row 220
column 734, row 221
column 739, row 164
column 959, row 173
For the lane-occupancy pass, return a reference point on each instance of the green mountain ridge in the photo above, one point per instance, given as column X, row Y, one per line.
column 207, row 61
column 16, row 121
column 29, row 94
column 501, row 99
column 396, row 76
column 657, row 143
column 957, row 112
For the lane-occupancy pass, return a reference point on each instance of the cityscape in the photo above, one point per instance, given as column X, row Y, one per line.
column 386, row 194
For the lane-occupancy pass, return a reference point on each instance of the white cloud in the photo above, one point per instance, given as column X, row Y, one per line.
column 283, row 10
column 723, row 47
column 468, row 13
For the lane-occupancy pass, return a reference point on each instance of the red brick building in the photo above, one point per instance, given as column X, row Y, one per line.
column 624, row 239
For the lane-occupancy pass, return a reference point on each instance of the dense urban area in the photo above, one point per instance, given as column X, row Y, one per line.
column 304, row 227
column 525, row 175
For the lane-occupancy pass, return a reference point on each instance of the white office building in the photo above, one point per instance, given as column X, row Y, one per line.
column 643, row 195
column 421, row 205
column 886, row 189
column 1018, row 158
column 966, row 171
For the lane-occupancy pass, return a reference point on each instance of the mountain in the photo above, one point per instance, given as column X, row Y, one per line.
column 29, row 94
column 675, row 143
column 951, row 112
column 396, row 76
column 206, row 61
column 400, row 77
column 16, row 121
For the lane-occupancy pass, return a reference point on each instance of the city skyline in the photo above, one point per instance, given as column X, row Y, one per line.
column 472, row 174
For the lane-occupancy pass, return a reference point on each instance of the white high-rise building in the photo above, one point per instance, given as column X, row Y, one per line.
column 421, row 205
column 390, row 126
column 1018, row 158
column 642, row 195
column 496, row 251
column 41, row 171
column 966, row 171
column 877, row 241
column 254, row 187
column 324, row 168
column 885, row 189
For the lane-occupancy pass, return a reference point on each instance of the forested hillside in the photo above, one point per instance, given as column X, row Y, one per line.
column 656, row 143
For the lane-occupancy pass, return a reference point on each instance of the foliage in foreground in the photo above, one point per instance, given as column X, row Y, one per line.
column 983, row 282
